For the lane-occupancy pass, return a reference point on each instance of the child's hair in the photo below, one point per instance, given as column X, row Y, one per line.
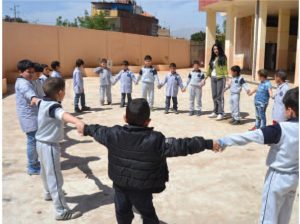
column 125, row 63
column 24, row 64
column 263, row 73
column 44, row 66
column 79, row 62
column 291, row 99
column 55, row 64
column 281, row 74
column 52, row 86
column 172, row 65
column 103, row 60
column 196, row 62
column 147, row 58
column 38, row 67
column 236, row 69
column 137, row 112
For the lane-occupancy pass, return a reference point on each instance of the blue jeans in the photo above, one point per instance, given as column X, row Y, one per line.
column 80, row 96
column 32, row 156
column 260, row 113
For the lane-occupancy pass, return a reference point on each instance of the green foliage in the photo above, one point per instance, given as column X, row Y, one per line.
column 11, row 19
column 199, row 36
column 67, row 23
column 97, row 22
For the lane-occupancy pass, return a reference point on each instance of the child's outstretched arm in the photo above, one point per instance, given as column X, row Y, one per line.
column 184, row 146
column 68, row 118
column 98, row 132
column 267, row 135
column 116, row 78
column 250, row 92
column 228, row 84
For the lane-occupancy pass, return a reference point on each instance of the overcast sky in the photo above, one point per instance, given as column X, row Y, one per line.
column 182, row 16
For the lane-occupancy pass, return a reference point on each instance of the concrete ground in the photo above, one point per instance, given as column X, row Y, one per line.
column 206, row 188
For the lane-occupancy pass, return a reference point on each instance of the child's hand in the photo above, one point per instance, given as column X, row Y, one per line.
column 216, row 146
column 34, row 101
column 202, row 83
column 80, row 127
column 183, row 90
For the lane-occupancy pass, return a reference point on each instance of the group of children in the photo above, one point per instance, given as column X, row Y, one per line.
column 137, row 154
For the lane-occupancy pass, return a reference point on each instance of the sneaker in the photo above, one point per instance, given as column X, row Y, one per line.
column 236, row 122
column 219, row 117
column 122, row 105
column 166, row 111
column 77, row 110
column 252, row 129
column 108, row 103
column 85, row 108
column 212, row 115
column 33, row 172
column 176, row 111
column 232, row 120
column 199, row 113
column 101, row 103
column 191, row 113
column 68, row 215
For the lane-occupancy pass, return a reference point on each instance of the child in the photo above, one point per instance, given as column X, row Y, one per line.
column 173, row 80
column 261, row 100
column 45, row 74
column 105, row 81
column 148, row 75
column 282, row 88
column 37, row 83
column 126, row 77
column 236, row 84
column 55, row 65
column 283, row 160
column 78, row 87
column 51, row 118
column 137, row 160
column 26, row 101
column 196, row 79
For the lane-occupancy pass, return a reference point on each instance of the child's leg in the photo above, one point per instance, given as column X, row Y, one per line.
column 199, row 99
column 214, row 94
column 175, row 103
column 235, row 111
column 123, row 207
column 144, row 204
column 192, row 97
column 168, row 99
column 47, row 195
column 129, row 98
column 123, row 95
column 82, row 100
column 144, row 90
column 102, row 94
column 257, row 116
column 220, row 95
column 108, row 94
column 151, row 95
column 32, row 156
column 76, row 100
column 263, row 116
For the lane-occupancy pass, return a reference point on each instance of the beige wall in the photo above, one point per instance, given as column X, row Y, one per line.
column 44, row 44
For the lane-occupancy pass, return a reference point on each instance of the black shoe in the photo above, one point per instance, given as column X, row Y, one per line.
column 198, row 113
column 77, row 110
column 108, row 103
column 122, row 105
column 175, row 111
column 85, row 108
column 166, row 111
column 232, row 120
column 191, row 113
column 236, row 122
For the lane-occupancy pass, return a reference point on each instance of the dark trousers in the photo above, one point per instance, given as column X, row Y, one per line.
column 123, row 97
column 142, row 201
column 168, row 102
column 80, row 96
column 217, row 90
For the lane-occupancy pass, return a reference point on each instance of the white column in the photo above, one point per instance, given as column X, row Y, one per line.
column 210, row 36
column 296, row 80
column 229, row 39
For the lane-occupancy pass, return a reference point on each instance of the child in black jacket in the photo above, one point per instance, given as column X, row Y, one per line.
column 137, row 160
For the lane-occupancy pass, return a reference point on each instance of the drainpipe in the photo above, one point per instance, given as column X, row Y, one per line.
column 255, row 39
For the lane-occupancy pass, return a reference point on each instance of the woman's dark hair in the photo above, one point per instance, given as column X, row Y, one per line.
column 222, row 60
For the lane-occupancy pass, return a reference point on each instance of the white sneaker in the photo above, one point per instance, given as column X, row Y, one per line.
column 212, row 115
column 68, row 215
column 219, row 117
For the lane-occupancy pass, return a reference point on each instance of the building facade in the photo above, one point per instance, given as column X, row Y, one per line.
column 259, row 33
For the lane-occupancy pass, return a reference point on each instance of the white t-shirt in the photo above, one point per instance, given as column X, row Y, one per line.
column 213, row 73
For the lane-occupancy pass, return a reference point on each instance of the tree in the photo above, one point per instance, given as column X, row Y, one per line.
column 98, row 22
column 11, row 19
column 199, row 36
column 61, row 22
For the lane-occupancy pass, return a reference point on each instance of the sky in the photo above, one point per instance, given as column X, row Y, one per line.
column 181, row 16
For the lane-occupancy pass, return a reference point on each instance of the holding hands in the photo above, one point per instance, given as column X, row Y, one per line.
column 217, row 147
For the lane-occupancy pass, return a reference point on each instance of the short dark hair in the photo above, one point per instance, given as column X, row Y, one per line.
column 103, row 60
column 55, row 64
column 44, row 66
column 281, row 74
column 138, row 112
column 263, row 72
column 236, row 69
column 38, row 67
column 147, row 58
column 24, row 64
column 172, row 65
column 125, row 62
column 196, row 62
column 52, row 86
column 291, row 99
column 79, row 62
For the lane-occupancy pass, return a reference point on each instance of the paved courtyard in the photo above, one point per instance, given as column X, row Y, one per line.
column 206, row 188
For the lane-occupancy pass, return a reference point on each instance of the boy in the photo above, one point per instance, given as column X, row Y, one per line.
column 173, row 80
column 261, row 100
column 51, row 118
column 137, row 160
column 148, row 75
column 126, row 78
column 45, row 74
column 235, row 85
column 55, row 65
column 196, row 80
column 282, row 88
column 26, row 101
column 283, row 160
column 105, row 81
column 78, row 87
column 37, row 83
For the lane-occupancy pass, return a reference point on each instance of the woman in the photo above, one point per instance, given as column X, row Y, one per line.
column 218, row 72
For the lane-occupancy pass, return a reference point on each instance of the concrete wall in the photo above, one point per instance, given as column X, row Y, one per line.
column 44, row 44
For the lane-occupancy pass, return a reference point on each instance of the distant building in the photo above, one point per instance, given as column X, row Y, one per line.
column 126, row 16
column 163, row 32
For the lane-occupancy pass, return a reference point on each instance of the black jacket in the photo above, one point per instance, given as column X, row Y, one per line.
column 137, row 155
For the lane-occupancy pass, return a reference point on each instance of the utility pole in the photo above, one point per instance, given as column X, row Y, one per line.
column 14, row 9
